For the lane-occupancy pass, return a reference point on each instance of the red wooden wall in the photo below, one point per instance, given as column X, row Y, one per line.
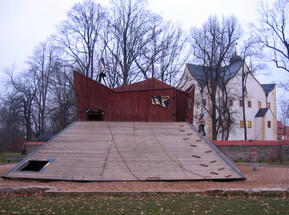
column 89, row 94
column 144, row 85
column 132, row 103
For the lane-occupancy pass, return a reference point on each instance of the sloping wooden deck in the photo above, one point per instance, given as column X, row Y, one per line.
column 120, row 151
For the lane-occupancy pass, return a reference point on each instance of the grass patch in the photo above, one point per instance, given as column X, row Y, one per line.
column 168, row 203
column 5, row 154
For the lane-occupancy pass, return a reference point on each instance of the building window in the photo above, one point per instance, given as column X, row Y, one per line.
column 241, row 124
column 231, row 102
column 241, row 102
column 259, row 105
column 249, row 124
column 249, row 104
column 268, row 105
column 269, row 124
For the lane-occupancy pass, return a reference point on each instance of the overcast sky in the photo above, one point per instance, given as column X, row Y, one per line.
column 26, row 23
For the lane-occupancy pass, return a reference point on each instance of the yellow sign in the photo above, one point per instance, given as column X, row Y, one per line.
column 161, row 101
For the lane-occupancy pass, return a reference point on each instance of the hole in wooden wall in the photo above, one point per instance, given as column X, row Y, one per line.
column 33, row 165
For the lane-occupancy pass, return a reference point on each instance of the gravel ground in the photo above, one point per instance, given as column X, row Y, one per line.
column 264, row 177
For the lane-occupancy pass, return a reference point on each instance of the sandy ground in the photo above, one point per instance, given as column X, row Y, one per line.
column 264, row 177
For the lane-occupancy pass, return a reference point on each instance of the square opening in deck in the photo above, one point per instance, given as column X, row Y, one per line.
column 33, row 165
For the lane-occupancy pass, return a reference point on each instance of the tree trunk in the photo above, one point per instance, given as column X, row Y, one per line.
column 243, row 100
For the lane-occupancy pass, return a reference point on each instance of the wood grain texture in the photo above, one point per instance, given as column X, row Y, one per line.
column 124, row 151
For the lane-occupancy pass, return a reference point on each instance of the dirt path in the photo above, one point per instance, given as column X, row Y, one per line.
column 264, row 177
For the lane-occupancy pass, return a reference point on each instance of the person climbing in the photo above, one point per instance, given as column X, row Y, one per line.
column 202, row 123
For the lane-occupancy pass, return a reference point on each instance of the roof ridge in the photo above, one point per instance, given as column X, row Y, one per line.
column 197, row 71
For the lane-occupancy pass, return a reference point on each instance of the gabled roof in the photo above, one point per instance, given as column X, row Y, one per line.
column 268, row 88
column 199, row 72
column 262, row 112
column 233, row 69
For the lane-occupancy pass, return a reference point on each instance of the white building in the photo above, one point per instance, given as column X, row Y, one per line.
column 260, row 101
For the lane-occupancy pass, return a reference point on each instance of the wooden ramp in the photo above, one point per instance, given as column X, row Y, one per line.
column 125, row 151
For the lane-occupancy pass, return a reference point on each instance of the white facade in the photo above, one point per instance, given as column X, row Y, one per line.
column 259, row 127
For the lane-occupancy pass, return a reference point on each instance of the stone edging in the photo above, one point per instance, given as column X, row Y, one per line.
column 47, row 189
column 28, row 189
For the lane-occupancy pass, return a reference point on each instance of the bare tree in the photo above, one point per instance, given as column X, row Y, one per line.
column 272, row 32
column 24, row 93
column 248, row 50
column 225, row 115
column 163, row 56
column 62, row 99
column 151, row 53
column 41, row 66
column 44, row 92
column 11, row 130
column 80, row 36
column 126, row 37
column 213, row 45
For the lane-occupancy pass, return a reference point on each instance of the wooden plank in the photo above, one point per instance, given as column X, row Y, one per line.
column 137, row 151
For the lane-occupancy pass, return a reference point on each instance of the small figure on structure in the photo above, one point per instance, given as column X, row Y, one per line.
column 202, row 123
column 102, row 74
